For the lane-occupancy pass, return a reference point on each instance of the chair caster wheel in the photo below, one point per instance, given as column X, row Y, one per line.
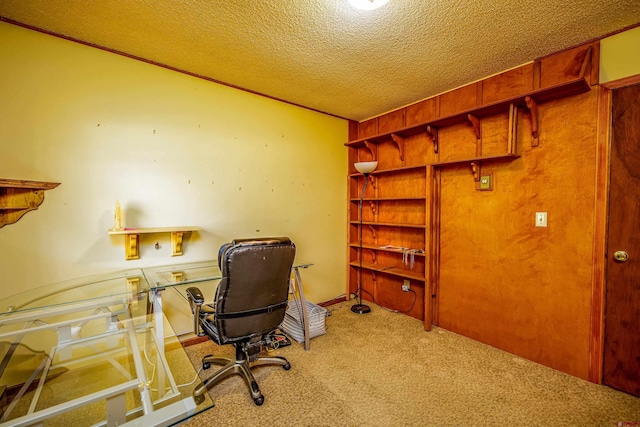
column 206, row 365
column 259, row 400
column 287, row 366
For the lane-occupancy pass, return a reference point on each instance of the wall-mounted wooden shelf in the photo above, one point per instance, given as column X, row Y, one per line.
column 17, row 197
column 384, row 249
column 387, row 199
column 388, row 224
column 132, row 238
column 388, row 171
column 394, row 271
column 529, row 100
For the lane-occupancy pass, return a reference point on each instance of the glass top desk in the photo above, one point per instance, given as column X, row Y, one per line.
column 86, row 352
column 93, row 351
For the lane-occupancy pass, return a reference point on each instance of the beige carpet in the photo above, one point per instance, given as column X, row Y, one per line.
column 383, row 369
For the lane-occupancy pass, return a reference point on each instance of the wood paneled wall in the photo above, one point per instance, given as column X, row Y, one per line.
column 498, row 278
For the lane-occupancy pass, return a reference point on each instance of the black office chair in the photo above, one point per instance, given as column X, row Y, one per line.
column 250, row 303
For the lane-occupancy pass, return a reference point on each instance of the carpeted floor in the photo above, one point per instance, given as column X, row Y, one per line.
column 383, row 369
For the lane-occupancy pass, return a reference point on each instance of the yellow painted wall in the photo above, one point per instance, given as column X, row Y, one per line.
column 173, row 150
column 620, row 56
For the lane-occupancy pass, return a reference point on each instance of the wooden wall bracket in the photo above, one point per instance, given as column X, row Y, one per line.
column 374, row 209
column 586, row 62
column 176, row 243
column 373, row 234
column 373, row 257
column 532, row 105
column 131, row 246
column 400, row 143
column 372, row 180
column 432, row 131
column 475, row 122
column 475, row 170
column 370, row 146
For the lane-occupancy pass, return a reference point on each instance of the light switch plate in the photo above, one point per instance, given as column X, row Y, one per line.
column 541, row 219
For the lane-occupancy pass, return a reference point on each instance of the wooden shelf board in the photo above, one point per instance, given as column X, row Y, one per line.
column 392, row 170
column 394, row 271
column 478, row 159
column 36, row 185
column 378, row 248
column 389, row 224
column 388, row 199
column 153, row 230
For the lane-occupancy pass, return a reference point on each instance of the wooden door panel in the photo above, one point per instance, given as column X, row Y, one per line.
column 622, row 306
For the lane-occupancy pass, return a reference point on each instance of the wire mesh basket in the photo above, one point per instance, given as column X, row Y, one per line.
column 292, row 323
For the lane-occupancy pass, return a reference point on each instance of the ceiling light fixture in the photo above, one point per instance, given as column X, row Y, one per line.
column 367, row 4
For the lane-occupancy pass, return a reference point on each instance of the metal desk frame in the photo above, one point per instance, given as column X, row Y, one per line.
column 126, row 317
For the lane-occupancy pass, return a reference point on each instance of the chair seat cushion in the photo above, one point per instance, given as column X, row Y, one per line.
column 209, row 328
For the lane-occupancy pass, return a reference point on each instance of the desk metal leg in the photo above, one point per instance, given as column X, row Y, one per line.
column 303, row 303
column 156, row 295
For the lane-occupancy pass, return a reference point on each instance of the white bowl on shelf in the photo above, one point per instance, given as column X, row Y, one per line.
column 366, row 167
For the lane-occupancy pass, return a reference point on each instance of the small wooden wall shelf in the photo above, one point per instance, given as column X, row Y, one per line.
column 132, row 238
column 17, row 197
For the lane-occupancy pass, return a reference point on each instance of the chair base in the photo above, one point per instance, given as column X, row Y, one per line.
column 241, row 366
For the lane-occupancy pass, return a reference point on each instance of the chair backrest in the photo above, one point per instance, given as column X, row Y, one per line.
column 252, row 295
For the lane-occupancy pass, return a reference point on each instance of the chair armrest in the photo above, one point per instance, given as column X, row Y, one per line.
column 196, row 299
column 195, row 295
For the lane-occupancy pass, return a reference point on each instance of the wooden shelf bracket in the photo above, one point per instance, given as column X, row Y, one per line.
column 131, row 246
column 532, row 105
column 373, row 233
column 373, row 181
column 432, row 131
column 475, row 122
column 370, row 147
column 475, row 170
column 374, row 209
column 399, row 141
column 586, row 62
column 176, row 243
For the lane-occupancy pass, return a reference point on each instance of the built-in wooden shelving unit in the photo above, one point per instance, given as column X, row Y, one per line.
column 397, row 209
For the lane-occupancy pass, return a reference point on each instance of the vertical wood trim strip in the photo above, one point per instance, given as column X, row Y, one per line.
column 353, row 130
column 537, row 72
column 347, row 295
column 434, row 245
column 595, row 64
column 598, row 281
column 428, row 265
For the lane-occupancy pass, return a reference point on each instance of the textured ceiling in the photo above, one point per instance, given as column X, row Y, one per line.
column 326, row 55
